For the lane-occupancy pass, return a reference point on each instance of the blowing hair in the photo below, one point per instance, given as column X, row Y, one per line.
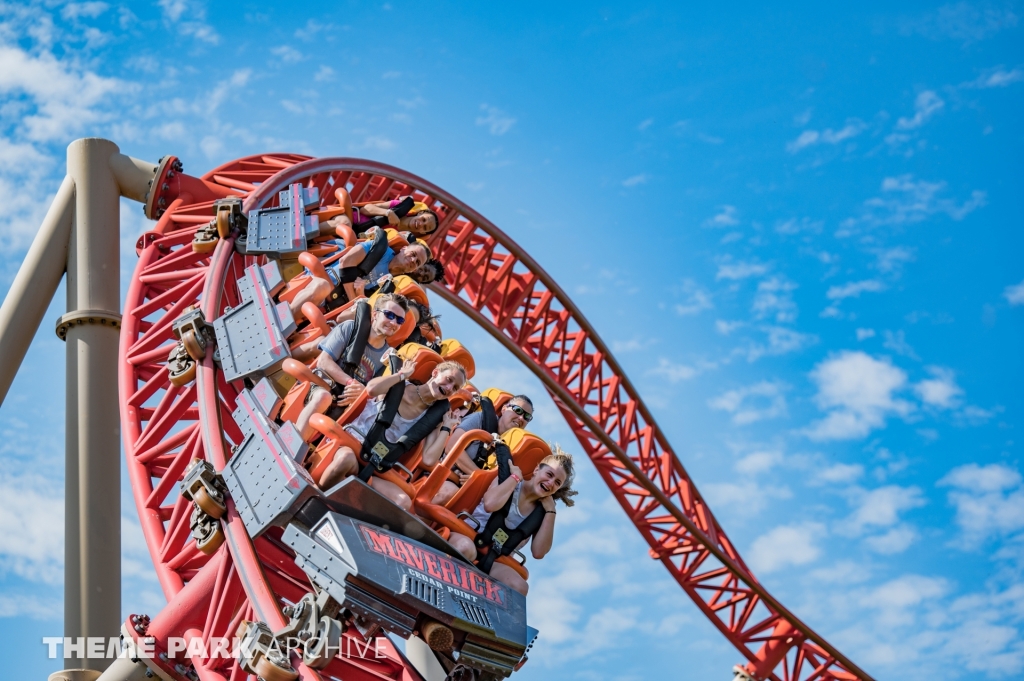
column 559, row 457
column 451, row 364
column 396, row 298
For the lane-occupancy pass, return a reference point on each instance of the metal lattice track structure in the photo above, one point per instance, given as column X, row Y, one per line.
column 497, row 285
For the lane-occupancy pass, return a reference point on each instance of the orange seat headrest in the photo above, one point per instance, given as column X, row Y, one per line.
column 452, row 349
column 411, row 290
column 527, row 449
column 498, row 397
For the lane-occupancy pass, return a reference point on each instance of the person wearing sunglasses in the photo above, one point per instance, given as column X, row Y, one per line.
column 388, row 315
column 516, row 413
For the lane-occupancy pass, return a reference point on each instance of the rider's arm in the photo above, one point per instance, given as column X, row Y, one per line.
column 541, row 542
column 332, row 369
column 380, row 385
column 379, row 208
column 465, row 462
column 497, row 494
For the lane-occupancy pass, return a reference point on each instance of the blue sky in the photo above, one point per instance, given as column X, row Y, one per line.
column 798, row 229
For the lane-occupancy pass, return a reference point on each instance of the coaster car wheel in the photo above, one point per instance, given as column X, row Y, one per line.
column 181, row 369
column 275, row 669
column 210, row 505
column 194, row 345
column 328, row 643
column 224, row 223
column 211, row 539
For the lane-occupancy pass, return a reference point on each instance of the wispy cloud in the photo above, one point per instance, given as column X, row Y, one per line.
column 926, row 105
column 635, row 180
column 697, row 299
column 785, row 546
column 853, row 289
column 752, row 403
column 989, row 501
column 996, row 77
column 739, row 269
column 906, row 199
column 725, row 217
column 774, row 297
column 1014, row 294
column 495, row 120
column 189, row 17
column 962, row 21
column 810, row 138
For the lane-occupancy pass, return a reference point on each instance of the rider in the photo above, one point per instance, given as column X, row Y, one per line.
column 514, row 511
column 515, row 413
column 404, row 214
column 407, row 259
column 445, row 379
column 388, row 315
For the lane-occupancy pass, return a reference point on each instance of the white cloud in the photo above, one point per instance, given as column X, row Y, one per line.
column 497, row 121
column 853, row 289
column 857, row 392
column 32, row 525
column 962, row 21
column 758, row 462
column 674, row 372
column 728, row 269
column 989, row 500
column 940, row 391
column 864, row 334
column 879, row 508
column 76, row 10
column 324, row 74
column 839, row 473
column 897, row 342
column 785, row 546
column 63, row 99
column 726, row 327
column 780, row 341
column 810, row 138
column 892, row 259
column 997, row 77
column 752, row 403
column 745, row 497
column 697, row 299
column 774, row 297
column 646, row 123
column 1014, row 294
column 795, row 226
column 726, row 217
column 908, row 200
column 287, row 54
column 635, row 180
column 189, row 16
column 896, row 540
column 926, row 105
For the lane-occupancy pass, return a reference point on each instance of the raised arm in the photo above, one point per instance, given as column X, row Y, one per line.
column 498, row 493
column 433, row 444
column 380, row 385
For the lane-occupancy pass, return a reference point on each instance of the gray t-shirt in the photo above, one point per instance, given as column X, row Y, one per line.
column 338, row 340
column 473, row 422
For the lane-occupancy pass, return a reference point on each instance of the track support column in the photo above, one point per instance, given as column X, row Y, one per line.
column 92, row 520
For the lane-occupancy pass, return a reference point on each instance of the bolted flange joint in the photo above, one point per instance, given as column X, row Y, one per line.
column 82, row 317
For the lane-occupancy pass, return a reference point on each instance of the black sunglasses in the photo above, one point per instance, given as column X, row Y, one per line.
column 519, row 411
column 397, row 319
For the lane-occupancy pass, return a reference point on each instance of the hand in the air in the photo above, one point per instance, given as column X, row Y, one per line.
column 393, row 218
column 358, row 286
column 548, row 503
column 514, row 470
column 407, row 369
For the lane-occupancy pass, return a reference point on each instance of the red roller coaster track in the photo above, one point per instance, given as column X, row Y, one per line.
column 499, row 286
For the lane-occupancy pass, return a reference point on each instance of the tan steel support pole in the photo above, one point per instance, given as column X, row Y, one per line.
column 422, row 657
column 92, row 569
column 35, row 284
